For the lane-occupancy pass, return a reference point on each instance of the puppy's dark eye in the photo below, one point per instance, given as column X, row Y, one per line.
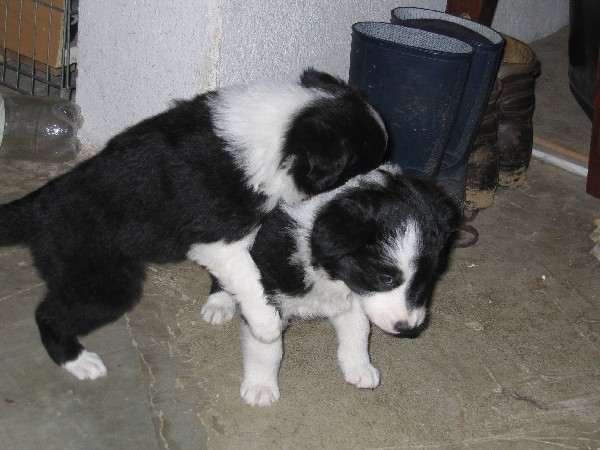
column 386, row 279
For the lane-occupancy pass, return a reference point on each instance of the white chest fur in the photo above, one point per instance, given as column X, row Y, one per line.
column 326, row 299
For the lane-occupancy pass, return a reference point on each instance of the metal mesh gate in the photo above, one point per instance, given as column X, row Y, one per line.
column 35, row 38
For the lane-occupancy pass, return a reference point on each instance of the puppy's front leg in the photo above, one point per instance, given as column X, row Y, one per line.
column 352, row 329
column 237, row 273
column 261, row 369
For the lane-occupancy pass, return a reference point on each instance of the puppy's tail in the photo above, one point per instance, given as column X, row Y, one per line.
column 16, row 226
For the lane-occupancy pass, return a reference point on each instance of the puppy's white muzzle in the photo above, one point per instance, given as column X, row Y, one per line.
column 390, row 312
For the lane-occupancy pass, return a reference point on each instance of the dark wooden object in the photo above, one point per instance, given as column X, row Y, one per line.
column 593, row 177
column 480, row 11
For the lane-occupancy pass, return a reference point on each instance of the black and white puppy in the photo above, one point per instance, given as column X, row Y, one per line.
column 369, row 251
column 195, row 181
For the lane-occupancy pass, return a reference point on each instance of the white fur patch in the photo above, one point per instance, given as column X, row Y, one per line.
column 404, row 249
column 352, row 329
column 259, row 394
column 364, row 376
column 237, row 273
column 386, row 309
column 326, row 298
column 261, row 369
column 87, row 366
column 255, row 119
column 219, row 308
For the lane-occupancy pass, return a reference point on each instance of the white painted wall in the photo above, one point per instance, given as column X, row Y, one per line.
column 136, row 56
column 276, row 38
column 529, row 20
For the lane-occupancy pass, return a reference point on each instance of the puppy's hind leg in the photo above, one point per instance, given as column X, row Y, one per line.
column 220, row 305
column 261, row 369
column 352, row 329
column 59, row 336
column 80, row 303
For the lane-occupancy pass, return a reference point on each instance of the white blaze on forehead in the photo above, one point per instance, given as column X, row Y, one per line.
column 386, row 309
column 404, row 248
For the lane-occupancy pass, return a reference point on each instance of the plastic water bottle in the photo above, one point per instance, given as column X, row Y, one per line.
column 38, row 128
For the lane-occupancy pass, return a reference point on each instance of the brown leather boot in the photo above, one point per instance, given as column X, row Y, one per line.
column 514, row 110
column 482, row 168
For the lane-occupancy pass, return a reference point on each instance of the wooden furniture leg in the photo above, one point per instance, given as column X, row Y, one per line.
column 593, row 177
column 480, row 11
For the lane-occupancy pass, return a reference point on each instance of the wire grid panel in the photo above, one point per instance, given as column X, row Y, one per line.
column 35, row 54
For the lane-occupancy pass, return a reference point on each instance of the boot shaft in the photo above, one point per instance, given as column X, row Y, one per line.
column 487, row 46
column 415, row 80
column 429, row 75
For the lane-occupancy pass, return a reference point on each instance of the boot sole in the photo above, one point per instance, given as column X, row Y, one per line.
column 477, row 199
column 513, row 178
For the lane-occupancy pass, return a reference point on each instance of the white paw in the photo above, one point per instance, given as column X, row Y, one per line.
column 87, row 366
column 363, row 376
column 265, row 326
column 218, row 309
column 257, row 394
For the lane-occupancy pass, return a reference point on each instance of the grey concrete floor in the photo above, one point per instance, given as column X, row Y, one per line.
column 511, row 358
column 557, row 117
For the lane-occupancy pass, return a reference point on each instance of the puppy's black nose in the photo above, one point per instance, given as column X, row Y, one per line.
column 405, row 330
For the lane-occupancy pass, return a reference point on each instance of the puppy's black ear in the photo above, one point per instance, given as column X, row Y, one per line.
column 445, row 209
column 322, row 154
column 326, row 168
column 312, row 78
column 342, row 227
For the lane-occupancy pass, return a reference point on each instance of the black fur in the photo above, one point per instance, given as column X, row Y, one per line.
column 326, row 169
column 272, row 251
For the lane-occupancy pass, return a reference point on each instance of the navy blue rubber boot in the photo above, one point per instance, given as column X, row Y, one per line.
column 415, row 80
column 487, row 46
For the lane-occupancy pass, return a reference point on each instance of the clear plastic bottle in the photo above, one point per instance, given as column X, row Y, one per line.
column 38, row 128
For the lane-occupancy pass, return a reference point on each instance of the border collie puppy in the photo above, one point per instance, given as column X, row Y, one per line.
column 370, row 251
column 195, row 181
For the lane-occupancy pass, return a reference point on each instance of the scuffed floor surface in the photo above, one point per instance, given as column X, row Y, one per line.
column 511, row 358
